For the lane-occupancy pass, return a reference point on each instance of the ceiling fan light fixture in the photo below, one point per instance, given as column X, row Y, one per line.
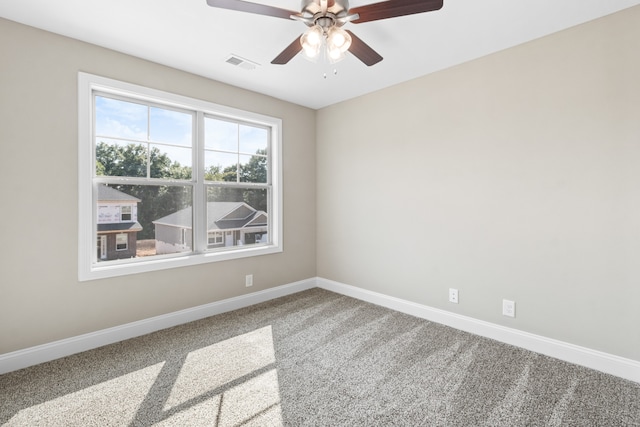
column 337, row 38
column 311, row 41
column 338, row 42
column 335, row 55
column 312, row 37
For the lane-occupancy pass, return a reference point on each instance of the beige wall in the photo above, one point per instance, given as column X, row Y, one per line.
column 41, row 299
column 513, row 176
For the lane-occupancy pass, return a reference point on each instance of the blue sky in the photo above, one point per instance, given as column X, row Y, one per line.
column 121, row 122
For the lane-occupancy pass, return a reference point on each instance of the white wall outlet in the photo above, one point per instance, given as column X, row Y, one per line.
column 248, row 280
column 453, row 295
column 508, row 308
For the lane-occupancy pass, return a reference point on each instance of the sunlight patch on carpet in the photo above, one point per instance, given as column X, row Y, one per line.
column 233, row 381
column 118, row 399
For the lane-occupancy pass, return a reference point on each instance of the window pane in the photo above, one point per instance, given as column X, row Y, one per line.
column 239, row 214
column 220, row 166
column 117, row 158
column 150, row 219
column 253, row 168
column 170, row 126
column 220, row 135
column 120, row 119
column 170, row 162
column 120, row 158
column 253, row 140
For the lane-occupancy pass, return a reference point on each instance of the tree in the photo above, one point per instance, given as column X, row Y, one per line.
column 255, row 170
column 131, row 160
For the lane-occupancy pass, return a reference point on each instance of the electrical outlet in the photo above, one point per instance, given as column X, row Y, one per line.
column 508, row 308
column 248, row 280
column 453, row 295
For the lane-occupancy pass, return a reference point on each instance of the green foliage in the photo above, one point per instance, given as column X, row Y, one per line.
column 131, row 160
column 213, row 174
column 256, row 169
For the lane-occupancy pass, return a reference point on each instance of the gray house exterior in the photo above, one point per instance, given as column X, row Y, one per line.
column 228, row 224
column 118, row 226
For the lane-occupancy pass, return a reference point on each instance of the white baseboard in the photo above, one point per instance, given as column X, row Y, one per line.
column 66, row 347
column 604, row 362
column 600, row 361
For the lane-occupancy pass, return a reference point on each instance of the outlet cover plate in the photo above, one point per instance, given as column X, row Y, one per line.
column 508, row 308
column 453, row 295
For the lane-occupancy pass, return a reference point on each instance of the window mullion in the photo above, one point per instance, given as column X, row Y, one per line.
column 200, row 193
column 238, row 154
column 147, row 142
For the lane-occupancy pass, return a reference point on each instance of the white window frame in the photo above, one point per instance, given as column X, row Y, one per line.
column 88, row 267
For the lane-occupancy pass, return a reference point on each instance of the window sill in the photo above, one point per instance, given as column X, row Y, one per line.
column 100, row 271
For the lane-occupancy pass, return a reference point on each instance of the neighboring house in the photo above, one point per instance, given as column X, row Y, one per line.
column 118, row 224
column 229, row 224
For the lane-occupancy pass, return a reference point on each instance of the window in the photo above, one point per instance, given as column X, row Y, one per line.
column 122, row 242
column 177, row 173
column 125, row 213
column 215, row 238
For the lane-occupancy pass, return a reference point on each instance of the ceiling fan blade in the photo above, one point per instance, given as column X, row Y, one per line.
column 288, row 53
column 394, row 8
column 362, row 51
column 245, row 6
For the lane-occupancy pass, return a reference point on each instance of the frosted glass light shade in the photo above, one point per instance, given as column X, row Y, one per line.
column 338, row 42
column 311, row 41
column 337, row 38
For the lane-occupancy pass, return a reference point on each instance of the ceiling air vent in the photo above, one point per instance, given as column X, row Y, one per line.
column 238, row 61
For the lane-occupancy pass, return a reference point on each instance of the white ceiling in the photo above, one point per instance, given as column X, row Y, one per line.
column 191, row 36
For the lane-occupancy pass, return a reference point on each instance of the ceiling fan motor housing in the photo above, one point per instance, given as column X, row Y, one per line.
column 320, row 8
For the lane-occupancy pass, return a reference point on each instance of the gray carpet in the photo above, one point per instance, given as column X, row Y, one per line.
column 314, row 359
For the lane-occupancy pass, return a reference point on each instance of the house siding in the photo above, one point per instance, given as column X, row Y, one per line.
column 112, row 253
column 169, row 239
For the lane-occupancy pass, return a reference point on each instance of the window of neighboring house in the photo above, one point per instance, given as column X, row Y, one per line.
column 215, row 238
column 183, row 163
column 122, row 242
column 125, row 213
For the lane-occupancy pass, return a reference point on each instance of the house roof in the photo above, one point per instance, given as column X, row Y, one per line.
column 110, row 194
column 121, row 226
column 220, row 216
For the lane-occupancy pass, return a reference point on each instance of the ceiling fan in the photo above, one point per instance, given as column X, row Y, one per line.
column 325, row 19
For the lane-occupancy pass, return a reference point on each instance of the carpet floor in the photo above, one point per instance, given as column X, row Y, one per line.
column 314, row 358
